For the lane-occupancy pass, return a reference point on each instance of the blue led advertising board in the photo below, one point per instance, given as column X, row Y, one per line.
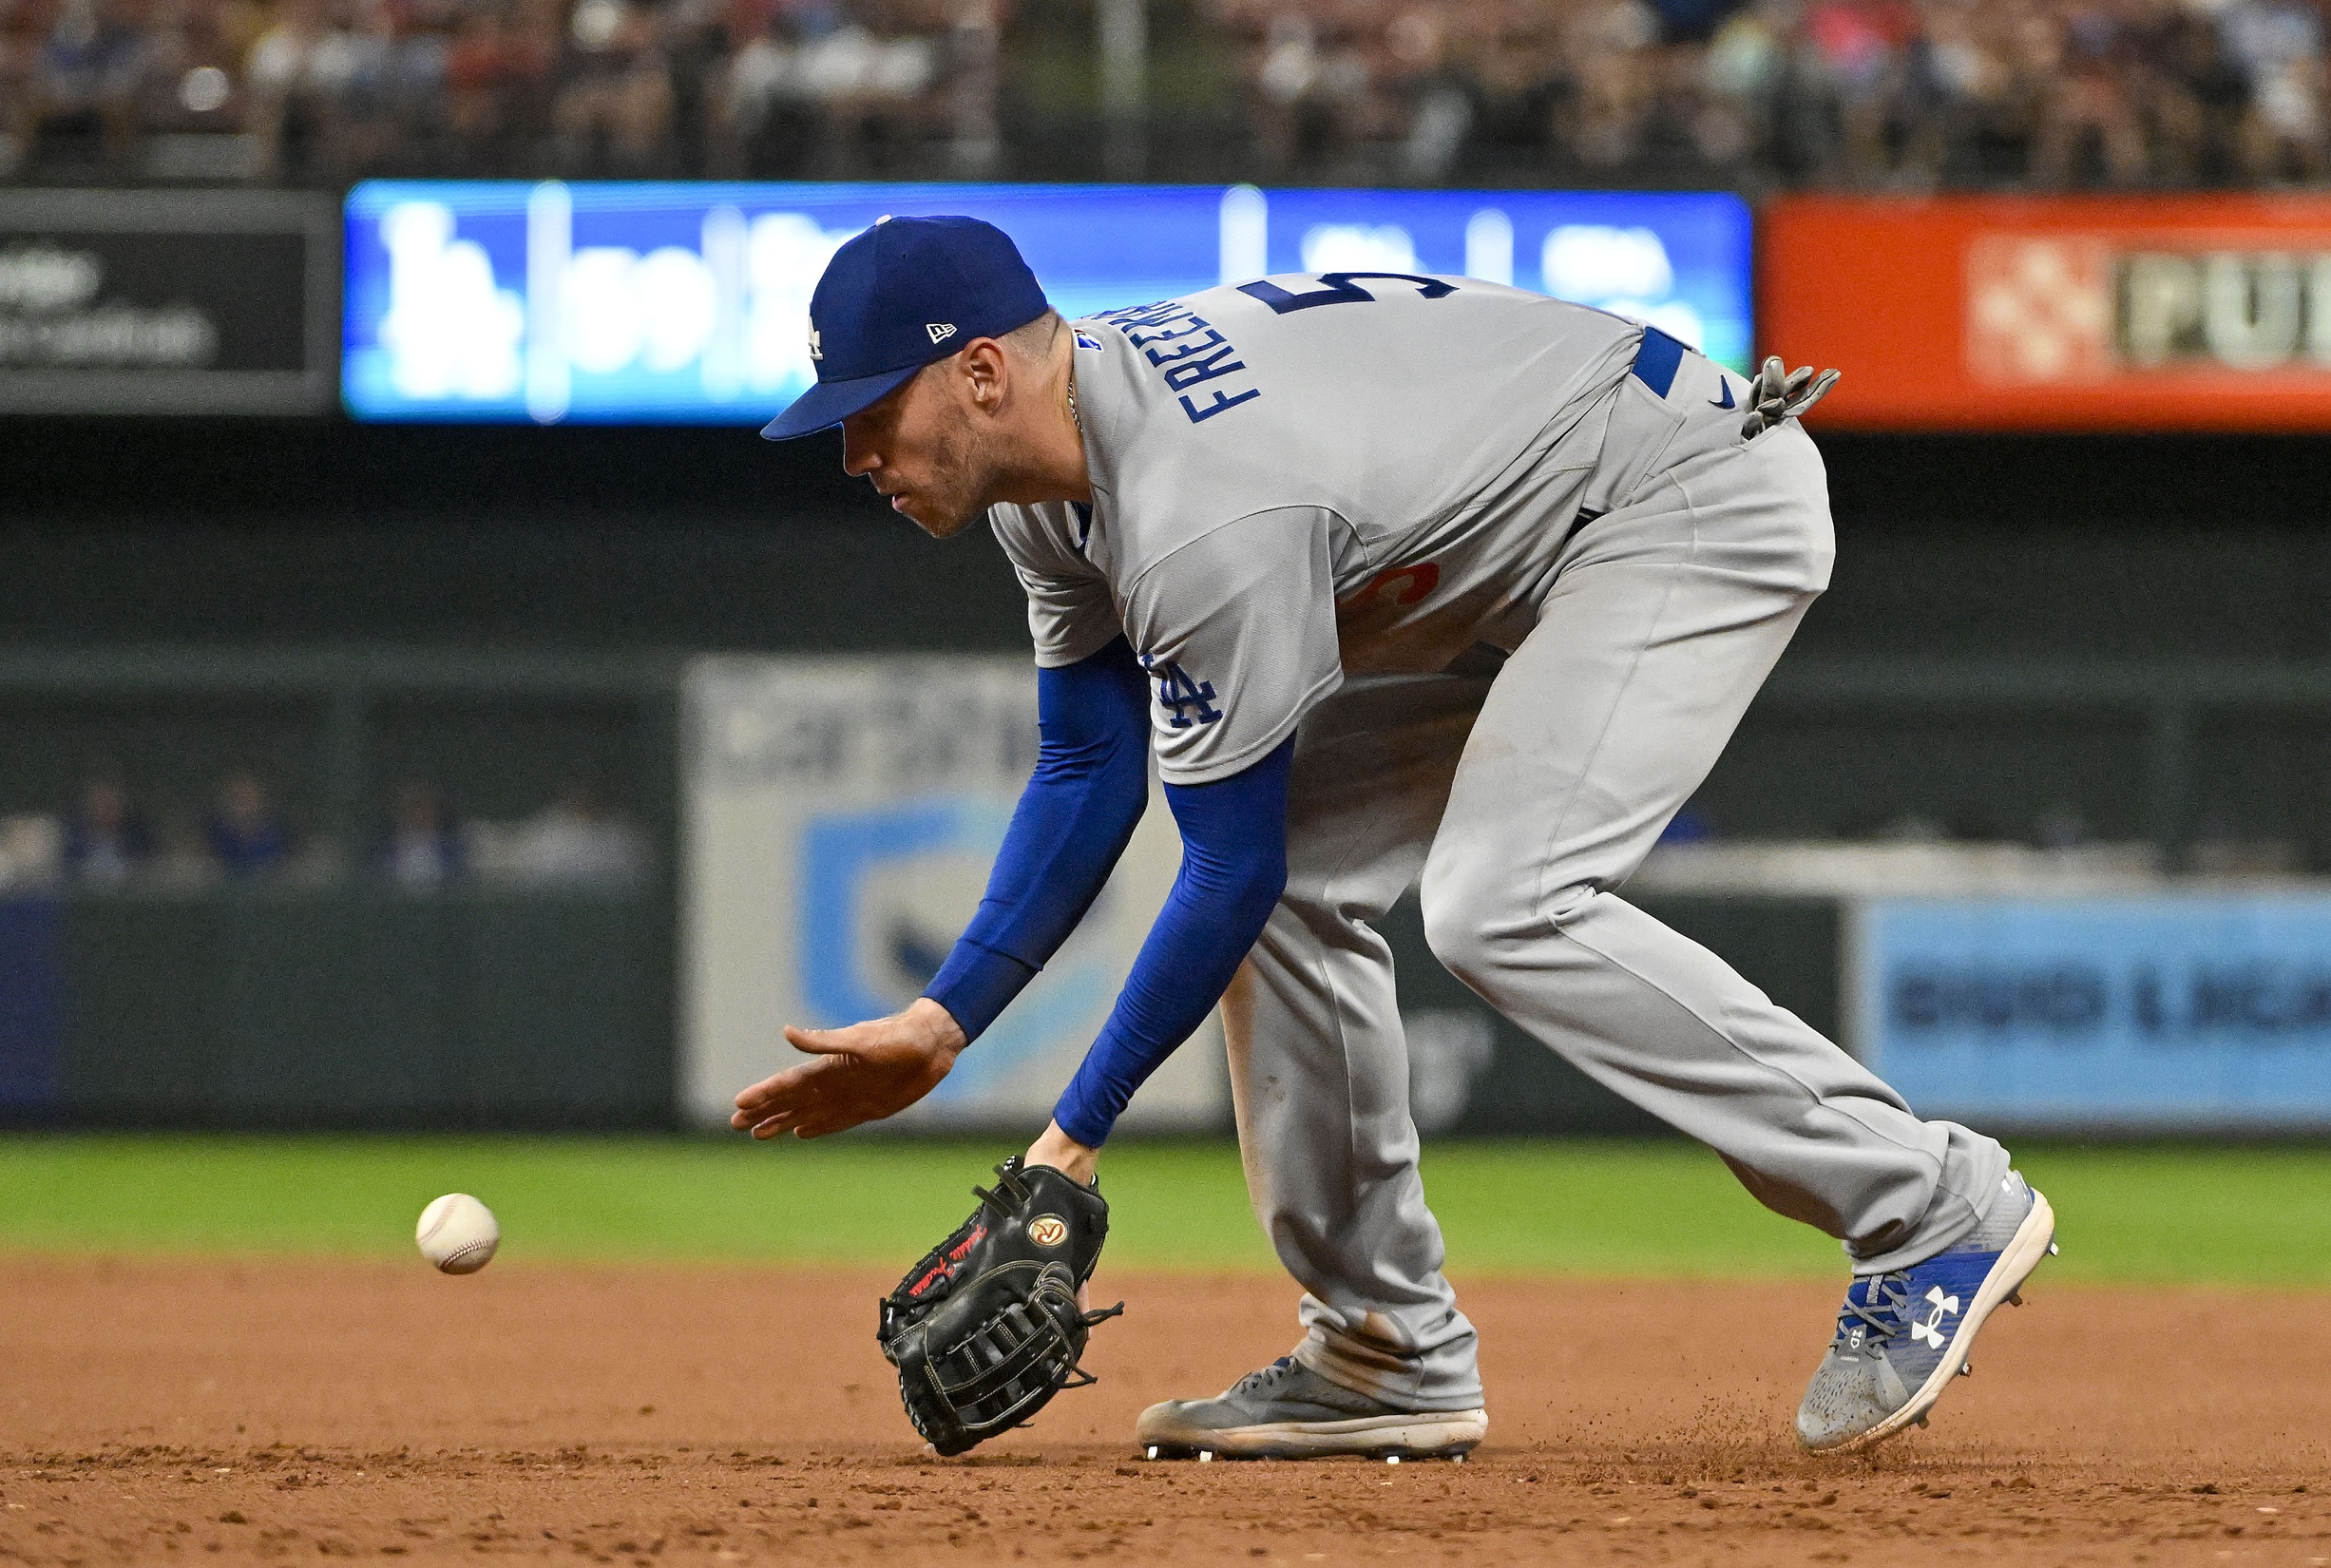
column 2165, row 1013
column 689, row 303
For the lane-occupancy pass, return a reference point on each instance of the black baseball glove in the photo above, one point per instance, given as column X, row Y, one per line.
column 987, row 1327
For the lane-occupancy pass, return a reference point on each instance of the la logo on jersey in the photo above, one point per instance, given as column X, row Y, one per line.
column 1189, row 702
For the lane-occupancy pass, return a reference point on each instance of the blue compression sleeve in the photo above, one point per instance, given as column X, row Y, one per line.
column 1233, row 869
column 1074, row 819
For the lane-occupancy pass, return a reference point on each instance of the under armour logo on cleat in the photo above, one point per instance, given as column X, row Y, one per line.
column 1930, row 1331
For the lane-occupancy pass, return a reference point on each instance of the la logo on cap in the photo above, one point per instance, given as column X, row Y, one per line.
column 898, row 296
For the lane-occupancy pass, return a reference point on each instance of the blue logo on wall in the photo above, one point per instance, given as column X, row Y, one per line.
column 868, row 944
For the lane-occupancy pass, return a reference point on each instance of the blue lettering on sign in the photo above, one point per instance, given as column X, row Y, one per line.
column 2178, row 1005
column 1195, row 353
column 2173, row 1010
column 1189, row 702
column 2055, row 1000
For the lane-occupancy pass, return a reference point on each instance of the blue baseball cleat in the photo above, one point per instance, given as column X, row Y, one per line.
column 1902, row 1337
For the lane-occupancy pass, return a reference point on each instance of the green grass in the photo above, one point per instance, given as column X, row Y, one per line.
column 2229, row 1216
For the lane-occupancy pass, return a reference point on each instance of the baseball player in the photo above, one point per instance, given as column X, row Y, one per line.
column 1397, row 578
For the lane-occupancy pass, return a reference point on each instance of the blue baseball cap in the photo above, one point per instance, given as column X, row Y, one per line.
column 906, row 292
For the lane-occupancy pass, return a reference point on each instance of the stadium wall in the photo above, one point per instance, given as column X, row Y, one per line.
column 363, row 1009
column 2031, row 638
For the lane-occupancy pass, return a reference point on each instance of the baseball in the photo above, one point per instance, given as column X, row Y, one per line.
column 457, row 1234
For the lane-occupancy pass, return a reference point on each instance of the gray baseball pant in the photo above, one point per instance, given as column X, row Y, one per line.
column 1524, row 799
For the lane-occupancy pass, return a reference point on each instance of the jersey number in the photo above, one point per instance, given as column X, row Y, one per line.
column 1340, row 290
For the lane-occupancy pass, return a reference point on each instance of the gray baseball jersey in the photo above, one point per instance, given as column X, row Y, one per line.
column 1300, row 478
column 1344, row 481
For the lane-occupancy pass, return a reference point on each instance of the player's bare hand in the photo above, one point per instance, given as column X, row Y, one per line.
column 861, row 1073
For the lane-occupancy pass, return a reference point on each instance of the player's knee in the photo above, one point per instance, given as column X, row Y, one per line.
column 1457, row 940
column 1459, row 911
column 1471, row 910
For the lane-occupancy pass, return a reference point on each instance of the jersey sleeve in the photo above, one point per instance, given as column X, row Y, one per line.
column 1070, row 613
column 1236, row 631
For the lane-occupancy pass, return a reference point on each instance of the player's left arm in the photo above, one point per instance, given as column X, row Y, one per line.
column 1237, row 630
column 1234, row 869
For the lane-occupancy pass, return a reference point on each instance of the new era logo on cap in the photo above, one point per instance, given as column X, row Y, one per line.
column 904, row 294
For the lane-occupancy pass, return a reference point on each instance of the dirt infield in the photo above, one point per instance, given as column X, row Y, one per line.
column 282, row 1411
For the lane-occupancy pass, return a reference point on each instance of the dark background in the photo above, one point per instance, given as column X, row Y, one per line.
column 255, row 530
column 2039, row 553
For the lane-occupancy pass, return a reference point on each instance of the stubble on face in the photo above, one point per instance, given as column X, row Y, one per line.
column 936, row 455
column 956, row 492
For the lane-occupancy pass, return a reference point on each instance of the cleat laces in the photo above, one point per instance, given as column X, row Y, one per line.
column 1260, row 1379
column 1884, row 1307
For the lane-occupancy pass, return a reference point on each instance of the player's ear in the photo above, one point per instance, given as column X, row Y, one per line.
column 984, row 369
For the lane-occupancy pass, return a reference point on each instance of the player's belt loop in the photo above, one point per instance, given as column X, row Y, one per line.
column 1656, row 360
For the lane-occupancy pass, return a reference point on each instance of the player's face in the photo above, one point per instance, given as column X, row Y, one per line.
column 919, row 447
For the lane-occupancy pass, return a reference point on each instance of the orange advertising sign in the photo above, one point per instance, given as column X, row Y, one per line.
column 2055, row 313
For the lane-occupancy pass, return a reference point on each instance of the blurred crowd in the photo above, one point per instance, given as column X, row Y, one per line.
column 1907, row 94
column 1903, row 94
column 107, row 837
column 330, row 90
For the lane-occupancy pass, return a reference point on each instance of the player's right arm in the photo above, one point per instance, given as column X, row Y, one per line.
column 1074, row 817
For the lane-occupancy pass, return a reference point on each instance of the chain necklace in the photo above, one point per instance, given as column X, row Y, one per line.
column 1075, row 418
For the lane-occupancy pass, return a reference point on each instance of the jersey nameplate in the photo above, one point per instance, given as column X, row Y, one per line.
column 1189, row 350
